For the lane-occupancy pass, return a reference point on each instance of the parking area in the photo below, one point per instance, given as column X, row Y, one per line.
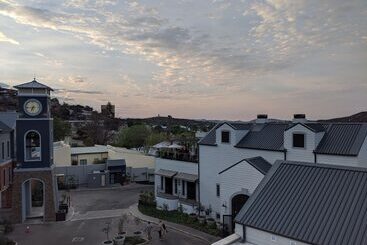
column 120, row 197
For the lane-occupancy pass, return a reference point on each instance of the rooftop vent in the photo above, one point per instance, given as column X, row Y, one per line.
column 262, row 118
column 299, row 118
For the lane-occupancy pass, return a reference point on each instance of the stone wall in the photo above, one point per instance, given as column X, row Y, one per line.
column 20, row 176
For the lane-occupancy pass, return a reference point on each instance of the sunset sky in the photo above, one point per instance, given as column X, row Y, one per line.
column 191, row 58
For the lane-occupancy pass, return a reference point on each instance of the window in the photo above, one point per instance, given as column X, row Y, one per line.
column 175, row 186
column 183, row 187
column 83, row 161
column 225, row 136
column 32, row 146
column 217, row 215
column 299, row 140
column 8, row 148
column 162, row 183
column 3, row 150
column 218, row 190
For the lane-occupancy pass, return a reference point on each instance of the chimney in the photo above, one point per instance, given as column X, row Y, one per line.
column 299, row 118
column 262, row 118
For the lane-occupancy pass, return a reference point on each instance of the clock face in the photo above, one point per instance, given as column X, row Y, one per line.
column 32, row 107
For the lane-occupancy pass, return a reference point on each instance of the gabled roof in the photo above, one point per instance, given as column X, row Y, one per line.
column 258, row 163
column 314, row 127
column 312, row 203
column 270, row 137
column 210, row 138
column 343, row 139
column 33, row 84
column 4, row 128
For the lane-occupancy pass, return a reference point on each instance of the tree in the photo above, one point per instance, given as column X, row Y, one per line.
column 155, row 138
column 61, row 129
column 133, row 137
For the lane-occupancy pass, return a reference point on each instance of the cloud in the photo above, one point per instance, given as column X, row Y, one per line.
column 76, row 91
column 4, row 38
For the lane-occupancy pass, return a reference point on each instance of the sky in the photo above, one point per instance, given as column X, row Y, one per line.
column 214, row 59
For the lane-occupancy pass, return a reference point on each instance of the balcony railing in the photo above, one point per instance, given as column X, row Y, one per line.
column 179, row 156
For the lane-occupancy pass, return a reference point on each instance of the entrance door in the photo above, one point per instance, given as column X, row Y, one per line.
column 191, row 190
column 237, row 203
column 168, row 185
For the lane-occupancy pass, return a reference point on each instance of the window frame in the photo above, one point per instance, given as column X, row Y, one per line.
column 229, row 136
column 25, row 147
column 293, row 140
column 83, row 162
column 217, row 190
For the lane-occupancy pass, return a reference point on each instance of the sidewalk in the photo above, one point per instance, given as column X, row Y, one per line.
column 181, row 228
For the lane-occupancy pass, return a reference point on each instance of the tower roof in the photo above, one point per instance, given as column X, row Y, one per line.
column 33, row 84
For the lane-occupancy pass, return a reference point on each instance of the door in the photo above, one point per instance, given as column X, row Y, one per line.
column 168, row 185
column 237, row 203
column 191, row 190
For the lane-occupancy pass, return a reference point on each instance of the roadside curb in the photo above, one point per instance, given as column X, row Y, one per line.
column 168, row 225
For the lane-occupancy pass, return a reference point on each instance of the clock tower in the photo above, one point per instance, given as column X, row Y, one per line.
column 34, row 192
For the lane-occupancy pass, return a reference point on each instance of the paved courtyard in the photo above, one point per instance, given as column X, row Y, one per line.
column 88, row 216
column 84, row 200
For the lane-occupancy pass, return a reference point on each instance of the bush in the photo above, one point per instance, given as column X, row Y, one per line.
column 6, row 241
column 178, row 217
column 6, row 226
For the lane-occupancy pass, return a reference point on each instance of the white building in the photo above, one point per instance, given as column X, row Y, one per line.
column 301, row 203
column 227, row 171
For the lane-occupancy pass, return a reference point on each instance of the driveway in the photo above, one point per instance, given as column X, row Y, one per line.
column 121, row 197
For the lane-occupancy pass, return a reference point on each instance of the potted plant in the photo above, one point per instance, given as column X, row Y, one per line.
column 107, row 230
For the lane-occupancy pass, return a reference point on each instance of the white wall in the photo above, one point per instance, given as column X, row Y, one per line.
column 300, row 154
column 258, row 237
column 62, row 154
column 241, row 179
column 214, row 159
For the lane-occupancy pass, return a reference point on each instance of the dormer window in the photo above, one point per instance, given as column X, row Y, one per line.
column 225, row 137
column 299, row 140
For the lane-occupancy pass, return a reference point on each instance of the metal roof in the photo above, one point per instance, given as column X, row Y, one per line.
column 89, row 150
column 4, row 128
column 188, row 177
column 33, row 84
column 258, row 163
column 343, row 139
column 315, row 127
column 9, row 118
column 270, row 137
column 312, row 203
column 116, row 162
column 166, row 173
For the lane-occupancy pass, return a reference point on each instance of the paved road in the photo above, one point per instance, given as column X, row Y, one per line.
column 87, row 232
column 107, row 199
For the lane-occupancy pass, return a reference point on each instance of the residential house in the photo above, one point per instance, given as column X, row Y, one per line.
column 6, row 164
column 235, row 157
column 301, row 203
column 89, row 155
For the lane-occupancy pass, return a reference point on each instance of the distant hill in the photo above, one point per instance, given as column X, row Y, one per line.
column 359, row 117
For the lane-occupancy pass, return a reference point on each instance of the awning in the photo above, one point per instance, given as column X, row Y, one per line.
column 188, row 177
column 166, row 173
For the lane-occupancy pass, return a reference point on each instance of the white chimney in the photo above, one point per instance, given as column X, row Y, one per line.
column 299, row 118
column 262, row 118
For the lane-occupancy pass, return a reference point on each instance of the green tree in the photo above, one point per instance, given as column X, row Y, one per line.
column 155, row 138
column 61, row 129
column 134, row 136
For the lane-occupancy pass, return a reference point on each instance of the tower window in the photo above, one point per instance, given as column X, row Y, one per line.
column 32, row 146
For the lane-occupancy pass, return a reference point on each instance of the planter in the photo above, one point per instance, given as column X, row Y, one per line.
column 219, row 226
column 61, row 215
column 119, row 240
column 107, row 242
column 201, row 219
column 210, row 221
